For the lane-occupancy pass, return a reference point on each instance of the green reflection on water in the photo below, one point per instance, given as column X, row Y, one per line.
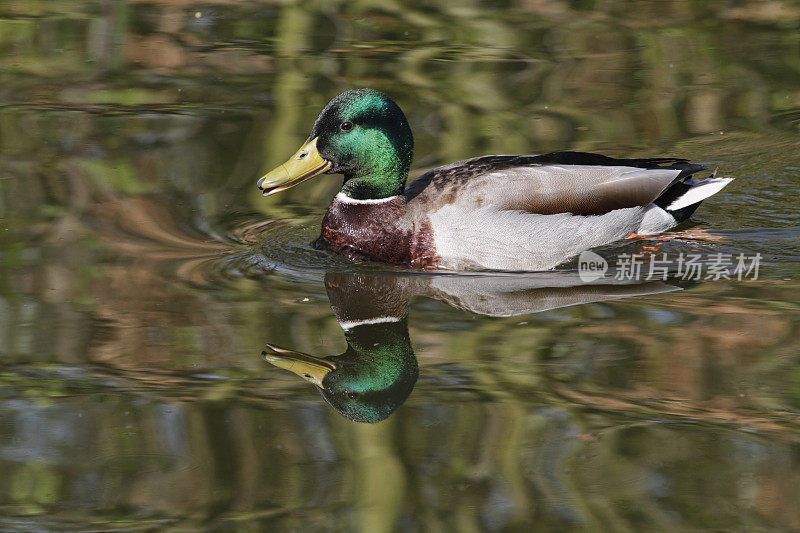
column 136, row 296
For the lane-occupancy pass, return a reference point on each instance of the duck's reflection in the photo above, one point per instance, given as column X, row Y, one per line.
column 377, row 372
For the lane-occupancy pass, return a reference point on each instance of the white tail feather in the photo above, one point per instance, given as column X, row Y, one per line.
column 700, row 191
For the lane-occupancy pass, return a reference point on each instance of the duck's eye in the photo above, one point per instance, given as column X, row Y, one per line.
column 346, row 126
column 352, row 395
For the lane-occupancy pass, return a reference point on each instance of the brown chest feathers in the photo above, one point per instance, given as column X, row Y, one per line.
column 380, row 231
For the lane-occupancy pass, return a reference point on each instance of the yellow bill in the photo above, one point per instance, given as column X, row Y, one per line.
column 310, row 368
column 304, row 164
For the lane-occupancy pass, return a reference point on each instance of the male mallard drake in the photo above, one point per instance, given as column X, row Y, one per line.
column 500, row 212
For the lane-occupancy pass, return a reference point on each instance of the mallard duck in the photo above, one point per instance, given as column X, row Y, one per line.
column 497, row 212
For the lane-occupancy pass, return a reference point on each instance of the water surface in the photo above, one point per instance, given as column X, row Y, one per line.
column 142, row 274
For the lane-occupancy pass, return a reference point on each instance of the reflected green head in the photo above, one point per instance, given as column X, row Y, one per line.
column 375, row 375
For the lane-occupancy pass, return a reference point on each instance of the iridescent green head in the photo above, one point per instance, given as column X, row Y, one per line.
column 375, row 375
column 361, row 134
column 369, row 381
